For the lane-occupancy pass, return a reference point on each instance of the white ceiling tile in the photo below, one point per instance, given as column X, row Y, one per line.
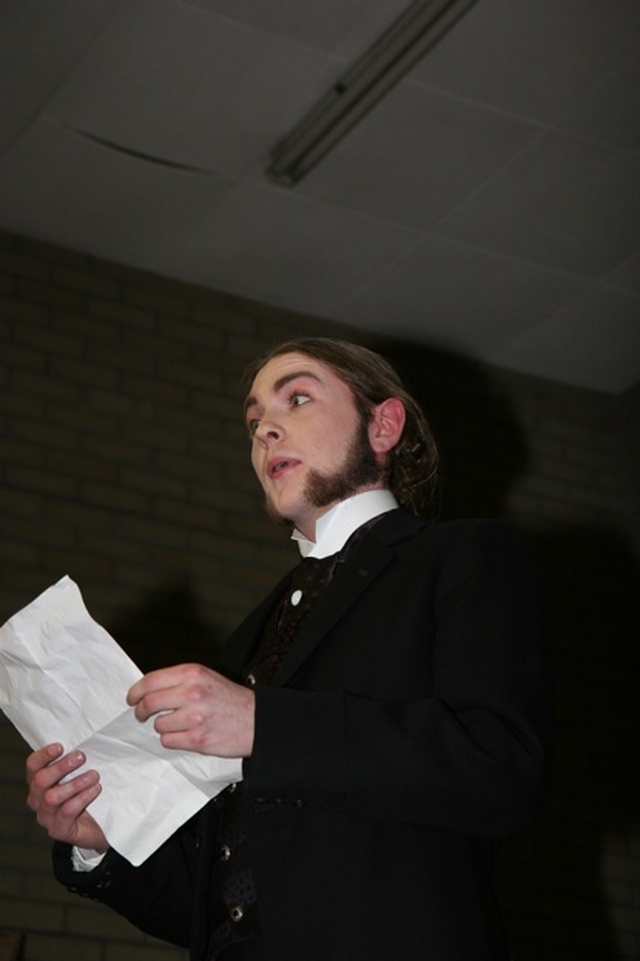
column 459, row 298
column 567, row 203
column 139, row 130
column 627, row 275
column 611, row 113
column 172, row 81
column 269, row 244
column 594, row 342
column 344, row 28
column 60, row 187
column 533, row 57
column 416, row 156
column 38, row 48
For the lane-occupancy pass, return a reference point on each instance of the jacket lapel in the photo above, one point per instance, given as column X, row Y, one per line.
column 369, row 559
column 242, row 643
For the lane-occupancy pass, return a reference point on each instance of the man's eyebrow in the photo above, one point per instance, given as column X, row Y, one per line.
column 280, row 383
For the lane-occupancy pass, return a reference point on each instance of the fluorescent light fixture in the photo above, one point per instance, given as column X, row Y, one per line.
column 365, row 83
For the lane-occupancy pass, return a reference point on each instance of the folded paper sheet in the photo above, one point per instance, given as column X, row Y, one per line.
column 63, row 678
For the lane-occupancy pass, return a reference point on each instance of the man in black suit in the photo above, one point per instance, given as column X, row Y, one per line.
column 390, row 699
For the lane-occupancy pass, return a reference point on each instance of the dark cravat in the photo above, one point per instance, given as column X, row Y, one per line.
column 310, row 578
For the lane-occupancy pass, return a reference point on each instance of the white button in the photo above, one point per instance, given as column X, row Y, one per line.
column 251, row 680
column 296, row 597
column 236, row 913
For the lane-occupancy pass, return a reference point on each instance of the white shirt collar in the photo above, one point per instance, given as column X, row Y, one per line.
column 334, row 528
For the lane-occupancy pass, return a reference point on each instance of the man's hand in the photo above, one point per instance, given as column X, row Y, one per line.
column 61, row 808
column 198, row 710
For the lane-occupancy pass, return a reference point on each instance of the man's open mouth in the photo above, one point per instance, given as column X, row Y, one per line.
column 277, row 466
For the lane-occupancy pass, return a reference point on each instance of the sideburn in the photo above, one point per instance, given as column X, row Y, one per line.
column 359, row 470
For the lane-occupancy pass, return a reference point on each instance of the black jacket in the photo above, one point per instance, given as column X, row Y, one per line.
column 405, row 733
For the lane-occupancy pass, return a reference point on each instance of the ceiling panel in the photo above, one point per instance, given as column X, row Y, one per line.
column 418, row 156
column 274, row 246
column 567, row 203
column 491, row 202
column 627, row 276
column 40, row 42
column 63, row 188
column 343, row 28
column 596, row 337
column 533, row 58
column 611, row 112
column 470, row 301
column 188, row 87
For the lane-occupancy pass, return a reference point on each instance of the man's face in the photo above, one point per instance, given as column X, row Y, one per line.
column 310, row 449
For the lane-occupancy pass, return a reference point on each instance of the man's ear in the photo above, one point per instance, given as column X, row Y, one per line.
column 386, row 425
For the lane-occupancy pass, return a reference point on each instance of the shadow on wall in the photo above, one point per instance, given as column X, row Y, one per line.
column 482, row 444
column 567, row 886
column 166, row 630
column 581, row 869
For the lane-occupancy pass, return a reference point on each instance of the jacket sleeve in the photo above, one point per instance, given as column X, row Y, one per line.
column 156, row 896
column 472, row 754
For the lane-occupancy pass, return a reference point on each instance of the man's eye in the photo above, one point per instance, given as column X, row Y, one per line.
column 252, row 426
column 297, row 400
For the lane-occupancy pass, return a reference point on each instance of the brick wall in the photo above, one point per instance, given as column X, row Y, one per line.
column 125, row 465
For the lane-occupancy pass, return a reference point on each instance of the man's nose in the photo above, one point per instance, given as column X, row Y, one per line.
column 269, row 430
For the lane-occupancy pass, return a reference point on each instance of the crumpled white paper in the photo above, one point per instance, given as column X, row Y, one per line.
column 63, row 678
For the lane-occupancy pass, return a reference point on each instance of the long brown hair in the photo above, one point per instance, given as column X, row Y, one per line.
column 412, row 471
